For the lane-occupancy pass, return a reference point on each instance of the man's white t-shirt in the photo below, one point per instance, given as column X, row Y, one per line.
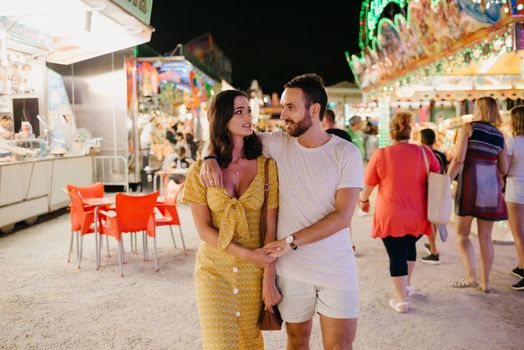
column 308, row 180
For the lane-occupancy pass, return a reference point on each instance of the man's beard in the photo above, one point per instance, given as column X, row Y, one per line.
column 301, row 127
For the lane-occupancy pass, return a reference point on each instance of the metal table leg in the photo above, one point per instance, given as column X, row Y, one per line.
column 155, row 177
column 96, row 237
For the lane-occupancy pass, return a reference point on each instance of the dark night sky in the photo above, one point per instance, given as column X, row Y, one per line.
column 270, row 41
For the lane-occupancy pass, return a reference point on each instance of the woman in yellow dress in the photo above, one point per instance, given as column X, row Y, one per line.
column 234, row 275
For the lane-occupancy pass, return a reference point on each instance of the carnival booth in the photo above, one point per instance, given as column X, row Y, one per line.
column 165, row 91
column 122, row 96
column 435, row 57
column 40, row 141
column 345, row 99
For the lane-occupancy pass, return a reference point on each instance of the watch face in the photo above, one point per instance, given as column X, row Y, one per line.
column 289, row 239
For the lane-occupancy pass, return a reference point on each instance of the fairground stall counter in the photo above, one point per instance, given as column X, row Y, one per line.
column 41, row 148
column 435, row 57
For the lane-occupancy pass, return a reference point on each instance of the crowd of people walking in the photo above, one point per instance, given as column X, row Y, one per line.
column 312, row 179
column 165, row 141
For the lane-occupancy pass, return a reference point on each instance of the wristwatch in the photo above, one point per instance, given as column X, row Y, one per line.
column 289, row 240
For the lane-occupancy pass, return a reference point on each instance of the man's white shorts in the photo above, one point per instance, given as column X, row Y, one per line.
column 300, row 301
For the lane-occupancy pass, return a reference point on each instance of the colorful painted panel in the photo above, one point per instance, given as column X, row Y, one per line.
column 396, row 33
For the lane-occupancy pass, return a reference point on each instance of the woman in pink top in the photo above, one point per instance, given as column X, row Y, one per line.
column 401, row 210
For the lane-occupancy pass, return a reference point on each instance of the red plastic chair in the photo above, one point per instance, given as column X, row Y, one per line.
column 169, row 211
column 84, row 218
column 131, row 214
column 93, row 191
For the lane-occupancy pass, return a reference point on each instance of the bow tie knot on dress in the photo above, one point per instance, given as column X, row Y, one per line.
column 234, row 219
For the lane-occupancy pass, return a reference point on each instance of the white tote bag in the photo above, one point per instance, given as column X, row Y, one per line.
column 439, row 195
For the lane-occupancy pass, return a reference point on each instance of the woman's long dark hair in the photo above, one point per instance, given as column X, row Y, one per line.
column 221, row 110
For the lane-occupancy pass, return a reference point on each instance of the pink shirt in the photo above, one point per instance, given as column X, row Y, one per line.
column 400, row 173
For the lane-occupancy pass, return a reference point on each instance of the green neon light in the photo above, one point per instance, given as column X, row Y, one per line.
column 370, row 20
column 362, row 37
column 370, row 14
column 495, row 45
column 372, row 10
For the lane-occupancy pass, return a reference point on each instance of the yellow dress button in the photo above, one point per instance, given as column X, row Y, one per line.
column 235, row 270
column 235, row 291
column 237, row 313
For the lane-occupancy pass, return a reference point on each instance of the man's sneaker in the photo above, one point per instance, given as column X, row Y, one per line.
column 431, row 259
column 519, row 285
column 426, row 248
column 517, row 271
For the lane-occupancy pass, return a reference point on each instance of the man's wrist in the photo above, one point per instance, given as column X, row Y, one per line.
column 290, row 240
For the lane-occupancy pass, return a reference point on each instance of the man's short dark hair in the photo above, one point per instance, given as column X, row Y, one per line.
column 5, row 117
column 330, row 115
column 312, row 85
column 427, row 137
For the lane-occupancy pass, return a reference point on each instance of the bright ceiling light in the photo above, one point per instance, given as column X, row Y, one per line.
column 70, row 30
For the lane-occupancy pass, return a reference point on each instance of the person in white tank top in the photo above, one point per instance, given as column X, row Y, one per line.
column 515, row 189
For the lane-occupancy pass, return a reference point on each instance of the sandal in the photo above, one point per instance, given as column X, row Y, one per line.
column 462, row 283
column 399, row 306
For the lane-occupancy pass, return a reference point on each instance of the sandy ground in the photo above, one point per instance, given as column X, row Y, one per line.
column 46, row 303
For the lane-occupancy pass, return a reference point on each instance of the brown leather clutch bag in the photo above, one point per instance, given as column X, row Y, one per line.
column 270, row 321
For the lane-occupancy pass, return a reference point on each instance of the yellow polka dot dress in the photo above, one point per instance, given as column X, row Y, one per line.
column 229, row 289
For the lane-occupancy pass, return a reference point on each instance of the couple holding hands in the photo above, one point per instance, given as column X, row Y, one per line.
column 305, row 263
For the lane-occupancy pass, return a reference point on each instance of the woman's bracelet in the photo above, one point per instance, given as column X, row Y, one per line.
column 210, row 157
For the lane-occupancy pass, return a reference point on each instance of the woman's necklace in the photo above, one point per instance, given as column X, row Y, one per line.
column 234, row 169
